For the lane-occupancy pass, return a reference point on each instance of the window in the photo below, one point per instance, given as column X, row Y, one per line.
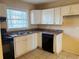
column 17, row 19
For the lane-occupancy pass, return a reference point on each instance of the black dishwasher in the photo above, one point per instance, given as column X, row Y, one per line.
column 47, row 41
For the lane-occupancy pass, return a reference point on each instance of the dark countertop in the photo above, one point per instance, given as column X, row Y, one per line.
column 31, row 31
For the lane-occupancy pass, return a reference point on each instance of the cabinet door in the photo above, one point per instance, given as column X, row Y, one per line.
column 48, row 16
column 75, row 9
column 58, row 20
column 34, row 45
column 65, row 10
column 39, row 39
column 24, row 44
column 2, row 10
column 36, row 16
column 31, row 42
column 20, row 46
column 58, row 43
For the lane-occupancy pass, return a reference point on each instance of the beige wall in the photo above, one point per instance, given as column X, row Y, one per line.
column 56, row 4
column 71, row 34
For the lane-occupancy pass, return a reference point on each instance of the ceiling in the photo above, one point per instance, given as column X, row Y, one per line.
column 39, row 1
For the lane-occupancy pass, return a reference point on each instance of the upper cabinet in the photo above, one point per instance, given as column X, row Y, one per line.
column 57, row 19
column 3, row 10
column 36, row 16
column 75, row 9
column 48, row 16
column 53, row 16
column 42, row 16
column 70, row 10
column 65, row 10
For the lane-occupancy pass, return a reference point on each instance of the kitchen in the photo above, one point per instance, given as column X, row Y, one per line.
column 34, row 24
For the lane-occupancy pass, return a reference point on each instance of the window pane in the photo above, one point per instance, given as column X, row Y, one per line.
column 17, row 19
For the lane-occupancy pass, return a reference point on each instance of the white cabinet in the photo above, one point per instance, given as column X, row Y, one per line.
column 24, row 44
column 20, row 48
column 65, row 10
column 20, row 45
column 70, row 10
column 75, row 9
column 48, row 16
column 31, row 41
column 58, row 20
column 3, row 10
column 36, row 16
column 58, row 43
column 34, row 41
column 54, row 15
column 39, row 39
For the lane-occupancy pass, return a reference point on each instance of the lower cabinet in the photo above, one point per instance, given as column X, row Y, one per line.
column 35, row 42
column 24, row 44
column 39, row 39
column 58, row 43
column 20, row 48
column 27, row 43
column 31, row 42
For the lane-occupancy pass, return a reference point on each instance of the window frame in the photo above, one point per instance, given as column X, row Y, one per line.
column 22, row 28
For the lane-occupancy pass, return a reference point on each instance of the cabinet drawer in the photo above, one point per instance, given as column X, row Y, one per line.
column 21, row 38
